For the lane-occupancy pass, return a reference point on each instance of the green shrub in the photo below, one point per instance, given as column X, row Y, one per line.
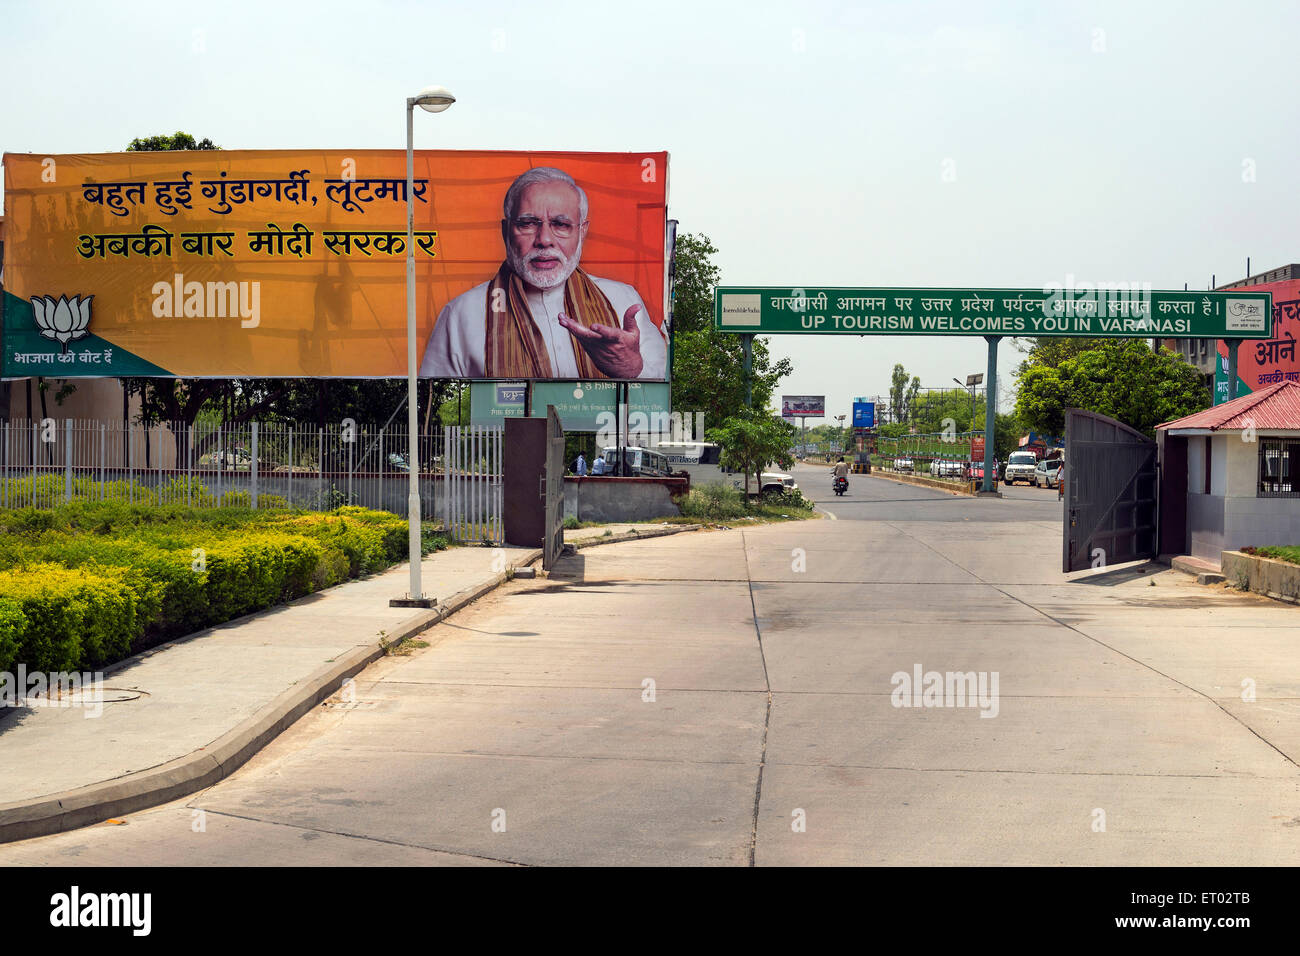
column 715, row 502
column 88, row 582
column 73, row 618
column 13, row 626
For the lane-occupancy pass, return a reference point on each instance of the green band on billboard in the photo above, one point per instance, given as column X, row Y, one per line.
column 580, row 405
column 1055, row 311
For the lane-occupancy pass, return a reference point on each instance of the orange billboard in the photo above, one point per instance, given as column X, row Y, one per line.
column 528, row 265
column 1265, row 363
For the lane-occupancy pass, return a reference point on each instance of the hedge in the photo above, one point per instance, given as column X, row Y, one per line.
column 89, row 583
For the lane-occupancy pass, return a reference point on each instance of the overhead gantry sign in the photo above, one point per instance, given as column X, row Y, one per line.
column 1122, row 312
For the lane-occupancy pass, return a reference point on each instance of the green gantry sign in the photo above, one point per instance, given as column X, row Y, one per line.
column 1094, row 313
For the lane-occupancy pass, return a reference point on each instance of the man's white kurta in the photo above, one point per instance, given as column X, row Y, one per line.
column 456, row 348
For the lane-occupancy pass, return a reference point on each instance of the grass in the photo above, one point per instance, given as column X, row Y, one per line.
column 1289, row 552
column 717, row 502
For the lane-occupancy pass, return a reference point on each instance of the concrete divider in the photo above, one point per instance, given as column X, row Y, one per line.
column 956, row 488
column 612, row 500
column 1279, row 580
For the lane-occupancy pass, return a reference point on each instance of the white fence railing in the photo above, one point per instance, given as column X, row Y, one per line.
column 46, row 462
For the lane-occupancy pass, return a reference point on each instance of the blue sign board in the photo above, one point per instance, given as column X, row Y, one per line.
column 864, row 414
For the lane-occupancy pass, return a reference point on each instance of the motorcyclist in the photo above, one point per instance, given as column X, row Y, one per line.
column 841, row 469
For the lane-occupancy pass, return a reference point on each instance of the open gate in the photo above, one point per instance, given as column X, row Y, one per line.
column 553, row 490
column 1110, row 493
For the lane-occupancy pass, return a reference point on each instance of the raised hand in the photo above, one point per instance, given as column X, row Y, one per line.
column 616, row 352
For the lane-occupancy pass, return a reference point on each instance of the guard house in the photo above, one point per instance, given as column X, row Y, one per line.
column 1230, row 475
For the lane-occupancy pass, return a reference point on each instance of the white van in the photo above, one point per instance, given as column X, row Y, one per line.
column 702, row 461
column 640, row 462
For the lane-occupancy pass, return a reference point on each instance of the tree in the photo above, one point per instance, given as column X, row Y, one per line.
column 750, row 439
column 898, row 393
column 1050, row 351
column 708, row 371
column 163, row 142
column 1123, row 379
column 694, row 279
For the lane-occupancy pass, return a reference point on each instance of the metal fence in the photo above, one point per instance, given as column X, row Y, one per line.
column 47, row 462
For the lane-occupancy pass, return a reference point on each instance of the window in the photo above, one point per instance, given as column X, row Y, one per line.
column 1279, row 462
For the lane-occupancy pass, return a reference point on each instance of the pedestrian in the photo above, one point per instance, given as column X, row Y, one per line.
column 598, row 466
column 581, row 466
column 1060, row 481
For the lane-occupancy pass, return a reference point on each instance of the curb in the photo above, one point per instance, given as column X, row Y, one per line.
column 97, row 802
column 634, row 535
column 202, row 768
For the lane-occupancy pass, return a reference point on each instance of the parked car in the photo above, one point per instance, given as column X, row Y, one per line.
column 902, row 464
column 1020, row 467
column 1046, row 471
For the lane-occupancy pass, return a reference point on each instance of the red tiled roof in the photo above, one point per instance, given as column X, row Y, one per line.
column 1277, row 406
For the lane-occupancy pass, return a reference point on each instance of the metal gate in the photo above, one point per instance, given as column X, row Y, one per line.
column 1110, row 493
column 553, row 493
column 471, row 484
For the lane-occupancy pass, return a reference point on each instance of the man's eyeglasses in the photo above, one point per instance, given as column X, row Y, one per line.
column 531, row 226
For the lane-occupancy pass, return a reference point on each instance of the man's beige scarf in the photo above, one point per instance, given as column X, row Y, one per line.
column 514, row 344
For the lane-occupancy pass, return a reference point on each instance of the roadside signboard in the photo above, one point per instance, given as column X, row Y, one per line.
column 580, row 405
column 267, row 263
column 864, row 414
column 977, row 448
column 1053, row 311
column 803, row 406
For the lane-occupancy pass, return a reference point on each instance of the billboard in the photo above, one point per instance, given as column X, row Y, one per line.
column 293, row 263
column 864, row 414
column 1261, row 364
column 803, row 406
column 582, row 406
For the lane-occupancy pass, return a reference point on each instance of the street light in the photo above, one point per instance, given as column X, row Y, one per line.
column 971, row 382
column 433, row 99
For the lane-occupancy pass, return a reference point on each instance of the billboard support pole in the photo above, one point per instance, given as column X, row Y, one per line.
column 990, row 396
column 747, row 343
column 1232, row 367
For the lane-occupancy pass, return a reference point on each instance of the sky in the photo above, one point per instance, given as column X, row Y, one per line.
column 947, row 144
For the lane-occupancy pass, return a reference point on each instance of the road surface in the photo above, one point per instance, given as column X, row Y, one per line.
column 734, row 698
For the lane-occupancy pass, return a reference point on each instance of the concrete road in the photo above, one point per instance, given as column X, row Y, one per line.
column 735, row 697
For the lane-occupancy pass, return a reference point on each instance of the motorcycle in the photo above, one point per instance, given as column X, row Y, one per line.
column 841, row 485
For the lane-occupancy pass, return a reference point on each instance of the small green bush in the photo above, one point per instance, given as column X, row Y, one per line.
column 13, row 626
column 714, row 502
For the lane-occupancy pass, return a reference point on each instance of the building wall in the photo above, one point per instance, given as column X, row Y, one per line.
column 96, row 399
column 1243, row 467
column 1205, row 532
column 1219, row 465
column 1231, row 516
column 1196, row 445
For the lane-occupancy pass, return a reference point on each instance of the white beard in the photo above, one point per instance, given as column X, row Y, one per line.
column 522, row 267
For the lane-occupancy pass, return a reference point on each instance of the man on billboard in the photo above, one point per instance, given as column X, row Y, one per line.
column 541, row 316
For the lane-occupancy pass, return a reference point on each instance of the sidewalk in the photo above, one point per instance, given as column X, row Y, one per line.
column 182, row 715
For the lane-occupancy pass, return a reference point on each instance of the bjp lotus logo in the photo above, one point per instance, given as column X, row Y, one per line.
column 64, row 321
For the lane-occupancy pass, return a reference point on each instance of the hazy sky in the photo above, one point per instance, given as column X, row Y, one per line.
column 930, row 144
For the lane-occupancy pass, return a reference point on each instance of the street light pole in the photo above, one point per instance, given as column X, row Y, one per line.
column 434, row 99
